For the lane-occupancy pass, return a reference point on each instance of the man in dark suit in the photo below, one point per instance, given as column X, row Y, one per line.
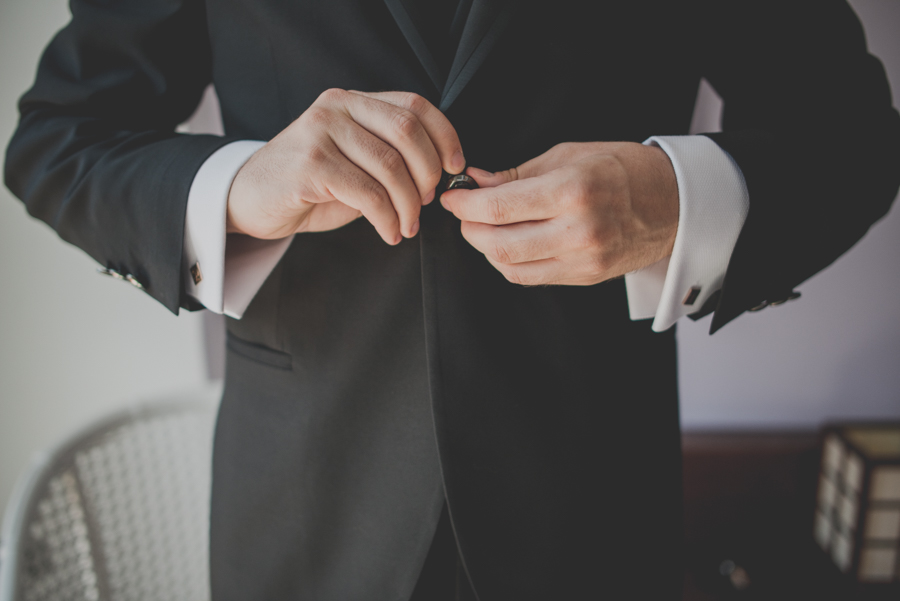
column 406, row 419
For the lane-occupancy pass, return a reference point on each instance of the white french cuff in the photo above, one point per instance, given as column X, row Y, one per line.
column 713, row 204
column 223, row 272
column 248, row 262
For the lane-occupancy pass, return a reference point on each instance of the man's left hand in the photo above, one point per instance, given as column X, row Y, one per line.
column 579, row 214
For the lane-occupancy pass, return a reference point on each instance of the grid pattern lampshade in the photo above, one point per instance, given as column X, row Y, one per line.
column 857, row 519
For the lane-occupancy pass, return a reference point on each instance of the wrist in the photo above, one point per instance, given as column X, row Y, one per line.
column 240, row 189
column 239, row 209
column 231, row 223
column 230, row 226
column 668, row 198
column 251, row 212
column 656, row 201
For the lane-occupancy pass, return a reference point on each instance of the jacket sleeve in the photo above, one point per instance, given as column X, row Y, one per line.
column 808, row 118
column 95, row 154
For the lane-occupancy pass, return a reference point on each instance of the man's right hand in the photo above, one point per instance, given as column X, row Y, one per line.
column 379, row 155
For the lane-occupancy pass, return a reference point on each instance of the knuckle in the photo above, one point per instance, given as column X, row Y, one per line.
column 579, row 190
column 414, row 102
column 317, row 115
column 497, row 210
column 563, row 147
column 501, row 253
column 564, row 151
column 405, row 124
column 332, row 95
column 612, row 162
column 373, row 195
column 619, row 174
column 316, row 156
column 390, row 160
column 615, row 174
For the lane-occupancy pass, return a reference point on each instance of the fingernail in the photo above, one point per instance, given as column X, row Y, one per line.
column 458, row 162
column 414, row 229
column 428, row 197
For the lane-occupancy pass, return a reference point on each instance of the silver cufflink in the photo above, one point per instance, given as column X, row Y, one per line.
column 133, row 281
column 110, row 272
column 115, row 274
column 759, row 307
column 792, row 296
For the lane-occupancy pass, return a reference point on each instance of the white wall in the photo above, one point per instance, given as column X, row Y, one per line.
column 834, row 353
column 73, row 344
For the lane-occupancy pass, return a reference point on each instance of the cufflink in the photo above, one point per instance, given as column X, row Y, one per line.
column 692, row 295
column 792, row 296
column 116, row 275
column 110, row 272
column 195, row 273
column 133, row 281
column 759, row 307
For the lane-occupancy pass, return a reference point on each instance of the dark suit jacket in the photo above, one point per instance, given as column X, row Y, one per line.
column 555, row 416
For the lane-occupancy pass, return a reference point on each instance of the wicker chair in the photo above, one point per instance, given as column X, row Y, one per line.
column 118, row 512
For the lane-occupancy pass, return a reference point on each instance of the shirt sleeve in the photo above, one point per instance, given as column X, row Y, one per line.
column 224, row 271
column 713, row 204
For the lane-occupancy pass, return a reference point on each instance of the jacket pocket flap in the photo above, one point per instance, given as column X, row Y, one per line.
column 259, row 353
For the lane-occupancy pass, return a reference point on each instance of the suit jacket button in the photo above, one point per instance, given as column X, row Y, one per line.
column 133, row 281
column 760, row 306
column 461, row 182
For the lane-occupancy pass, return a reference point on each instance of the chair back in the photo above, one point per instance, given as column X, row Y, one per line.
column 119, row 512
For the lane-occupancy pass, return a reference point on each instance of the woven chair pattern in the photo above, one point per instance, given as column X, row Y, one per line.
column 121, row 513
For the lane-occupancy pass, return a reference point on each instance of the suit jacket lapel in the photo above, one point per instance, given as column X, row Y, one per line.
column 486, row 22
column 414, row 38
column 487, row 19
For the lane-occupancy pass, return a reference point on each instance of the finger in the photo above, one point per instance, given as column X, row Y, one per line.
column 386, row 165
column 442, row 133
column 486, row 179
column 516, row 202
column 519, row 243
column 535, row 273
column 553, row 159
column 327, row 216
column 402, row 130
column 357, row 189
column 557, row 271
column 572, row 268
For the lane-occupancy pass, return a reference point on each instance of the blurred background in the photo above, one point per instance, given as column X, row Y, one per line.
column 75, row 345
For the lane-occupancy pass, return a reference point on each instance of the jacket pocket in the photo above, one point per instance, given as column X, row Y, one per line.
column 259, row 353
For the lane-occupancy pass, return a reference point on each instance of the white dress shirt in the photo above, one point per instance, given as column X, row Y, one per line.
column 224, row 272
